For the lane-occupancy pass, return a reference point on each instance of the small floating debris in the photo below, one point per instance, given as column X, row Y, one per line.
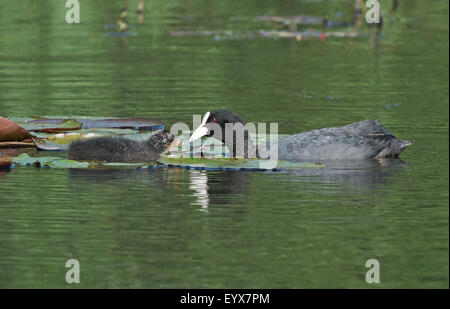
column 110, row 26
column 311, row 96
column 200, row 33
column 120, row 34
column 297, row 35
column 393, row 105
column 123, row 21
column 296, row 19
column 293, row 21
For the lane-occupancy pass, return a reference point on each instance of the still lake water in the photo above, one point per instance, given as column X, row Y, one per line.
column 199, row 229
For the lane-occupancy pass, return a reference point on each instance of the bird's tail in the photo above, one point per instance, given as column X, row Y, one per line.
column 405, row 143
column 401, row 144
column 395, row 148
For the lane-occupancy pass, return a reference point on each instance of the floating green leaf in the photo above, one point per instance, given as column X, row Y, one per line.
column 67, row 164
column 236, row 163
column 56, row 162
column 25, row 159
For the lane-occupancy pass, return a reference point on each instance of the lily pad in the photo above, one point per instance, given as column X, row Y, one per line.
column 56, row 162
column 67, row 164
column 55, row 125
column 51, row 125
column 25, row 159
column 11, row 131
column 186, row 163
column 236, row 164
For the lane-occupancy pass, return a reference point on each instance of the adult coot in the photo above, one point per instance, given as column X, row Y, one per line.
column 365, row 139
column 121, row 149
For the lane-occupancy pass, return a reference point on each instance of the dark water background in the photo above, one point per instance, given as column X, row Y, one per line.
column 198, row 229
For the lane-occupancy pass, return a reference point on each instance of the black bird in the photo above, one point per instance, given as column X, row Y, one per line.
column 121, row 149
column 365, row 139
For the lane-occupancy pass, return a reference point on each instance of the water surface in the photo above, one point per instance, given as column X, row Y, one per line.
column 211, row 229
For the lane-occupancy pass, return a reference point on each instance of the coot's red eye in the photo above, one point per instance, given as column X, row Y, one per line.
column 213, row 119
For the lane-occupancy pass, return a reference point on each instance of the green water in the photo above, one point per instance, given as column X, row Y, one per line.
column 198, row 229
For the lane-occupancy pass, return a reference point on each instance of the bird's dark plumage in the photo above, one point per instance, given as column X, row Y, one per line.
column 365, row 139
column 120, row 149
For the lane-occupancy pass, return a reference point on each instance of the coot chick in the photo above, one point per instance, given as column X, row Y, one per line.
column 364, row 139
column 121, row 149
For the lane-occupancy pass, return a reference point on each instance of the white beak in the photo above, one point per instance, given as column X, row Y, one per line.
column 202, row 130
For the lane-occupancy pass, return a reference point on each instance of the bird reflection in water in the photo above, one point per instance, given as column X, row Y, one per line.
column 198, row 182
column 215, row 188
column 218, row 187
